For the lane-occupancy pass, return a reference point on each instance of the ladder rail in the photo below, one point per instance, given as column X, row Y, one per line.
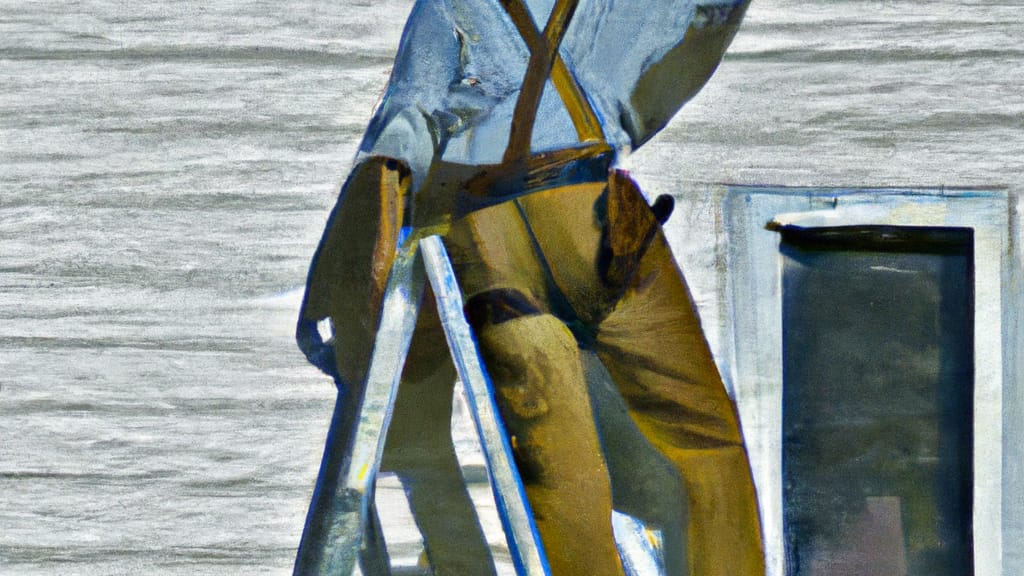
column 509, row 494
column 342, row 502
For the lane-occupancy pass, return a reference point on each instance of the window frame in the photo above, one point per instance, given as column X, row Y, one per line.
column 752, row 344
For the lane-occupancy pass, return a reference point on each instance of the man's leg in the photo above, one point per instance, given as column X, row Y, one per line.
column 654, row 348
column 645, row 484
column 419, row 449
column 534, row 363
column 609, row 258
column 592, row 236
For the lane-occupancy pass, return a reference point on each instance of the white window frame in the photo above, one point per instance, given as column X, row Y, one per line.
column 753, row 343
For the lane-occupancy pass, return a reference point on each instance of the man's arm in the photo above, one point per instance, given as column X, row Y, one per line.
column 673, row 80
column 407, row 122
column 350, row 268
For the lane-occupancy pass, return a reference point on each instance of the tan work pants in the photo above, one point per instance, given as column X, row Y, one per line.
column 586, row 265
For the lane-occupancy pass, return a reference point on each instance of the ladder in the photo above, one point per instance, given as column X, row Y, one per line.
column 351, row 491
column 349, row 468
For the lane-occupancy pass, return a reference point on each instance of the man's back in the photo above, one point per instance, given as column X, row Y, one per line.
column 461, row 65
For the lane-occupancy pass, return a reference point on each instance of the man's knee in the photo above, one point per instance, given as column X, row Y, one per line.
column 534, row 363
column 528, row 353
column 499, row 306
column 505, row 321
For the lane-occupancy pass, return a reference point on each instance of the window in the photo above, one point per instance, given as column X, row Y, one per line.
column 877, row 403
column 868, row 338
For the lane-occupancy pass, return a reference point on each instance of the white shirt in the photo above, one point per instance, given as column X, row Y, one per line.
column 460, row 64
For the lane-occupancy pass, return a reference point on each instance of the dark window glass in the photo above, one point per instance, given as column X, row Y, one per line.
column 877, row 402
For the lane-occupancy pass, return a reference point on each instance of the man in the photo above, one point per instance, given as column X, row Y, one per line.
column 500, row 129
